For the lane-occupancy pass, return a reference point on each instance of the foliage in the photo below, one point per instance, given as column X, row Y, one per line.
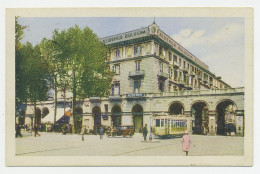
column 78, row 58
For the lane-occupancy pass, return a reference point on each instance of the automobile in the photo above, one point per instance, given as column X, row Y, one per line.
column 121, row 131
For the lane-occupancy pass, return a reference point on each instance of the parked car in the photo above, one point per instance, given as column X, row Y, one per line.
column 121, row 131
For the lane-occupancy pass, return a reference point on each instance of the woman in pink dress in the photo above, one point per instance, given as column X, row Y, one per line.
column 186, row 141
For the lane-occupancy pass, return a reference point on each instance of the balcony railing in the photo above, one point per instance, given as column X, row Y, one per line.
column 176, row 65
column 163, row 75
column 136, row 73
column 192, row 74
column 185, row 70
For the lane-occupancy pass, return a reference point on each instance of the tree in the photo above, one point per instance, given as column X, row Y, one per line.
column 80, row 57
column 31, row 72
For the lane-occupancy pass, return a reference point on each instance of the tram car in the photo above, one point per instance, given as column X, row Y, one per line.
column 171, row 126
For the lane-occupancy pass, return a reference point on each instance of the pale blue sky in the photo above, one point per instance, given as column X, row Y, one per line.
column 219, row 42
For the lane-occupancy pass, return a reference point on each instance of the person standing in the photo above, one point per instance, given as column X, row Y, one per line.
column 145, row 131
column 186, row 141
column 83, row 132
column 101, row 132
column 88, row 130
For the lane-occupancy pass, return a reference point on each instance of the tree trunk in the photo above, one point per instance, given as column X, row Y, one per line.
column 55, row 102
column 74, row 101
column 35, row 118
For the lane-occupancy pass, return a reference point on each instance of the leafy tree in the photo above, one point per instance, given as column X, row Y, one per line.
column 79, row 58
column 31, row 71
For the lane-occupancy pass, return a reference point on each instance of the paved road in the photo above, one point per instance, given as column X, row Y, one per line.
column 54, row 144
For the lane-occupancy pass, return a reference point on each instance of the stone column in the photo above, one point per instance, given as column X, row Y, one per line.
column 212, row 122
column 240, row 122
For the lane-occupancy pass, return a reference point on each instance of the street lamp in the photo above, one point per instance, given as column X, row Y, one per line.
column 150, row 137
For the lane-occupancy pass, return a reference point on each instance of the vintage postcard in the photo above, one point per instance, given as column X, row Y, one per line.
column 129, row 87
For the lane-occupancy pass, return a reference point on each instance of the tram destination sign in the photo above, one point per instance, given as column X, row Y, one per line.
column 126, row 36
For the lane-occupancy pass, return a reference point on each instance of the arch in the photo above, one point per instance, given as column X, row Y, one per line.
column 45, row 112
column 199, row 112
column 78, row 110
column 116, row 114
column 96, row 113
column 137, row 112
column 223, row 100
column 176, row 108
column 225, row 116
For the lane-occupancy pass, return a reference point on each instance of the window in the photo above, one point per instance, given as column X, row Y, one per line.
column 116, row 88
column 175, row 75
column 161, row 67
column 184, row 64
column 161, row 86
column 137, row 85
column 116, row 68
column 170, row 56
column 180, row 61
column 137, row 65
column 117, row 53
column 137, row 50
column 175, row 59
column 171, row 72
column 157, row 122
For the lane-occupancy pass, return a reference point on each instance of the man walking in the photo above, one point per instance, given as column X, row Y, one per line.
column 145, row 131
column 101, row 132
column 83, row 132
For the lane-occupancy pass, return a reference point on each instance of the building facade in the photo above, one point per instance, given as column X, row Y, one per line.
column 154, row 76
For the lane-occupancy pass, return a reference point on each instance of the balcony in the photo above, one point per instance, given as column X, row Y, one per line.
column 135, row 74
column 176, row 65
column 185, row 70
column 199, row 77
column 189, row 86
column 163, row 75
column 115, row 98
column 205, row 80
column 182, row 83
column 192, row 74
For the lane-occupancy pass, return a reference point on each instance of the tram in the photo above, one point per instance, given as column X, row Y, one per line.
column 170, row 126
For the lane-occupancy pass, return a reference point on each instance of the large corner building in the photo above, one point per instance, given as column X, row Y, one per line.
column 155, row 76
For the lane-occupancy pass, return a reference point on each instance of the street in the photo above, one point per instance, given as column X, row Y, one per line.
column 56, row 144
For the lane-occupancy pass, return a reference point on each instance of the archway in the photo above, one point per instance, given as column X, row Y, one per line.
column 176, row 108
column 226, row 117
column 96, row 111
column 78, row 119
column 38, row 116
column 199, row 112
column 116, row 115
column 137, row 112
column 45, row 112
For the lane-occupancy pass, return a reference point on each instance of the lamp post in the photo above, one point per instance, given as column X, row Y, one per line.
column 150, row 137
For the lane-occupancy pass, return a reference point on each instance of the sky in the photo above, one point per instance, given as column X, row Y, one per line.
column 218, row 42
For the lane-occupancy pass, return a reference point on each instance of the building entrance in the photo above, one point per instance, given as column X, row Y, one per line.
column 116, row 116
column 226, row 117
column 199, row 112
column 137, row 112
column 97, row 116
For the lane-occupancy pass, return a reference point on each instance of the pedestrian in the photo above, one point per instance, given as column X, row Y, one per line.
column 101, row 132
column 186, row 141
column 88, row 130
column 83, row 132
column 145, row 131
column 36, row 130
column 30, row 129
column 18, row 131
